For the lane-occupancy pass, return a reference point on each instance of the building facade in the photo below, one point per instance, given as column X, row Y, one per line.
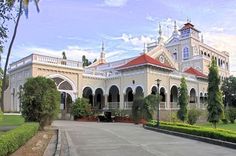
column 114, row 85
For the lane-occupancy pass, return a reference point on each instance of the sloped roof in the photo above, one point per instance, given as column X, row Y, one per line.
column 187, row 26
column 144, row 60
column 195, row 72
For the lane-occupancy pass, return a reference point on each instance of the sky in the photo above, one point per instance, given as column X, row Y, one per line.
column 79, row 27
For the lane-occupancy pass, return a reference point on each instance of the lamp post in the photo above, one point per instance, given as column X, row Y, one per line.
column 158, row 103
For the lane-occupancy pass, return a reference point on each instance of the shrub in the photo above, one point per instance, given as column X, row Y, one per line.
column 193, row 115
column 40, row 100
column 10, row 141
column 81, row 108
column 150, row 105
column 225, row 121
column 221, row 134
column 231, row 114
column 137, row 108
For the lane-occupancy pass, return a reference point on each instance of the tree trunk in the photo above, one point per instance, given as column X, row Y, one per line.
column 8, row 54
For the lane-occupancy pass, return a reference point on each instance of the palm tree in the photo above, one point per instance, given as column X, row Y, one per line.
column 23, row 6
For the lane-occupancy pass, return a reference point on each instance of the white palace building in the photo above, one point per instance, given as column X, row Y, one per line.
column 114, row 85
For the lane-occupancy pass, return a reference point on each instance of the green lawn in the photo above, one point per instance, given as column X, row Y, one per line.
column 228, row 126
column 12, row 120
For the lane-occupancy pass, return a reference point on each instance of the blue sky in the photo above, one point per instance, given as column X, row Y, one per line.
column 79, row 26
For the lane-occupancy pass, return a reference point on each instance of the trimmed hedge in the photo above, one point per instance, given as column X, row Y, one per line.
column 13, row 139
column 220, row 134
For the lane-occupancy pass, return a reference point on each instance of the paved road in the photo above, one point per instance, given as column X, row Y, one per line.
column 119, row 139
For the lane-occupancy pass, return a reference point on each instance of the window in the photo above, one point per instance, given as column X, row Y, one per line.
column 185, row 53
column 175, row 56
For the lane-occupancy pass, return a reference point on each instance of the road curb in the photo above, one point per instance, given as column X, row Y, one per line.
column 58, row 146
column 194, row 137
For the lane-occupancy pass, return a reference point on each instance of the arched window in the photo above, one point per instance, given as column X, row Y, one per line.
column 185, row 53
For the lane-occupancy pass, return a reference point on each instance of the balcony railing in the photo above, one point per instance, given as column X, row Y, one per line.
column 128, row 105
column 37, row 58
column 113, row 105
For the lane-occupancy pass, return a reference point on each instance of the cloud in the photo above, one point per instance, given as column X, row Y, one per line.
column 150, row 18
column 217, row 29
column 133, row 40
column 223, row 42
column 115, row 3
column 72, row 52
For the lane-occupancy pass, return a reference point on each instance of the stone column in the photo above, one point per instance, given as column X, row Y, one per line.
column 121, row 101
column 105, row 101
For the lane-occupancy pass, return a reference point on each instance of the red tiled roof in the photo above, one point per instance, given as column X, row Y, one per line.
column 144, row 60
column 195, row 72
column 188, row 26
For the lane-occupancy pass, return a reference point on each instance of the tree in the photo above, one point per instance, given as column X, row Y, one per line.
column 215, row 102
column 5, row 15
column 183, row 100
column 229, row 90
column 23, row 4
column 40, row 100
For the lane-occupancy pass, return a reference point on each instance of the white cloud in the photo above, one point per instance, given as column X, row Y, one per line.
column 223, row 42
column 115, row 3
column 150, row 18
column 217, row 29
column 72, row 52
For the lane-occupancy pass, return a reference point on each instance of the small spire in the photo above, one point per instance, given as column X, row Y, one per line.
column 102, row 46
column 144, row 48
column 188, row 20
column 175, row 26
column 202, row 39
column 160, row 38
column 160, row 31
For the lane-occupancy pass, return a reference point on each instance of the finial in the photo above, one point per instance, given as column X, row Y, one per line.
column 102, row 46
column 188, row 20
column 175, row 26
column 202, row 40
column 160, row 31
column 144, row 48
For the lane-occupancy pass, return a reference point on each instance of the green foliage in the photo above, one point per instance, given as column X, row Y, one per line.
column 231, row 114
column 150, row 105
column 12, row 120
column 183, row 101
column 221, row 134
column 137, row 109
column 10, row 141
column 40, row 100
column 229, row 90
column 85, row 61
column 81, row 108
column 193, row 115
column 5, row 16
column 215, row 102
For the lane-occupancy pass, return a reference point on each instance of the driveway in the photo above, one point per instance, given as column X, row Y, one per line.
column 120, row 139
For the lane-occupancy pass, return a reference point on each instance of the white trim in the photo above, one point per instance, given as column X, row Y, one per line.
column 108, row 88
column 64, row 78
column 93, row 91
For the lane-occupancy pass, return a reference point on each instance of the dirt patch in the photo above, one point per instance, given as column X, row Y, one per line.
column 36, row 145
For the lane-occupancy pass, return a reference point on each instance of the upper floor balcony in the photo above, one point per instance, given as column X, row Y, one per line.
column 47, row 60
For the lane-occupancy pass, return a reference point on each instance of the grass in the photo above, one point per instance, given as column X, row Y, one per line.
column 12, row 120
column 220, row 125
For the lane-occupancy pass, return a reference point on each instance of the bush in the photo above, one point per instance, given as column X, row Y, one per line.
column 81, row 108
column 10, row 141
column 225, row 121
column 193, row 115
column 40, row 100
column 231, row 114
column 137, row 108
column 221, row 134
column 150, row 105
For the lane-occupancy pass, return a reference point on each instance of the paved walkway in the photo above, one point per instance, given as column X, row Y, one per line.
column 119, row 139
